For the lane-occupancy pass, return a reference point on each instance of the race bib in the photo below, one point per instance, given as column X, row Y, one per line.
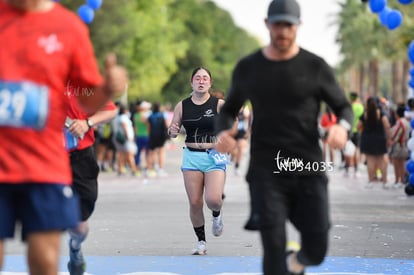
column 219, row 158
column 23, row 104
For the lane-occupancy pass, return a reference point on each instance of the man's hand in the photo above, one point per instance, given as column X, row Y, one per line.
column 225, row 141
column 174, row 130
column 116, row 76
column 78, row 128
column 337, row 137
column 116, row 83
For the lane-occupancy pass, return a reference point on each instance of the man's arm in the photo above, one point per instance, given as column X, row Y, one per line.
column 116, row 83
column 103, row 116
column 79, row 127
column 233, row 102
column 225, row 121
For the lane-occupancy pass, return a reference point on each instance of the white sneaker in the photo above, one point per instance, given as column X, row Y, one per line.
column 161, row 173
column 369, row 185
column 398, row 185
column 388, row 185
column 201, row 248
column 217, row 225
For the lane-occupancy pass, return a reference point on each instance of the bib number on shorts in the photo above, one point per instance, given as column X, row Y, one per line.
column 23, row 104
column 219, row 158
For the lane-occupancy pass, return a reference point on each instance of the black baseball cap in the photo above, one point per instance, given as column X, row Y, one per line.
column 284, row 11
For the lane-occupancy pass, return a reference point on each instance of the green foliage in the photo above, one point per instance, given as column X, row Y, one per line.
column 379, row 54
column 215, row 42
column 161, row 41
column 363, row 38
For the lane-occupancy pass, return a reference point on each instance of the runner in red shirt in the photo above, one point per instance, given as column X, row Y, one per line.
column 44, row 48
column 85, row 171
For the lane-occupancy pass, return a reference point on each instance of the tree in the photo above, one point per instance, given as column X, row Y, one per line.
column 215, row 42
column 371, row 47
column 161, row 41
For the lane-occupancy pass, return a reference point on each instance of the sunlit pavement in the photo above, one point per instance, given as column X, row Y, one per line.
column 141, row 226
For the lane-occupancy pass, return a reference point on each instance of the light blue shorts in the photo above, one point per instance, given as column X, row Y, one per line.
column 37, row 207
column 199, row 161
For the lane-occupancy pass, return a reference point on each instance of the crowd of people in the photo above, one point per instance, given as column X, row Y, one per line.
column 376, row 145
column 380, row 132
column 135, row 140
column 280, row 82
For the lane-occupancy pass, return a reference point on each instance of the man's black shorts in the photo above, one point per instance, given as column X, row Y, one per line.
column 301, row 199
column 85, row 172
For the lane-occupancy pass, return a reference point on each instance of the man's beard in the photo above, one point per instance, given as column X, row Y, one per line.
column 282, row 46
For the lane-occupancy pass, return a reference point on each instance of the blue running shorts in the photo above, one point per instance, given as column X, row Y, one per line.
column 199, row 161
column 37, row 207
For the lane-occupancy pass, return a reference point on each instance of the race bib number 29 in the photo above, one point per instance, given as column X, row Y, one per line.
column 23, row 104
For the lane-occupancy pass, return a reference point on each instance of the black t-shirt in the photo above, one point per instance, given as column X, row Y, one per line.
column 285, row 97
column 198, row 120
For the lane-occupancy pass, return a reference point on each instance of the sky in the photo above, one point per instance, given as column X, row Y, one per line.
column 317, row 33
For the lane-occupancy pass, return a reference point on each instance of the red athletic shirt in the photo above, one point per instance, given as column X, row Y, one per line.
column 49, row 50
column 75, row 112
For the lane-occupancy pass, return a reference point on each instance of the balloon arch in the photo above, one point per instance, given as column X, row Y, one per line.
column 392, row 19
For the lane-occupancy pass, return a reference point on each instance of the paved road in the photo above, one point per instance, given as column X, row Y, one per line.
column 143, row 226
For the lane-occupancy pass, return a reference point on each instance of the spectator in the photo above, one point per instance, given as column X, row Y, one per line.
column 141, row 129
column 327, row 120
column 105, row 148
column 243, row 132
column 157, row 138
column 124, row 141
column 358, row 110
column 375, row 140
column 399, row 152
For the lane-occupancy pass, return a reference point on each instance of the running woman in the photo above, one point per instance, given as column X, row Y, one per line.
column 204, row 169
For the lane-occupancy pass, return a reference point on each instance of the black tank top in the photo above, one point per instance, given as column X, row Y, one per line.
column 198, row 120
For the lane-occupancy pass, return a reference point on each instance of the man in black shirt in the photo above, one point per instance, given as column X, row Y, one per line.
column 287, row 175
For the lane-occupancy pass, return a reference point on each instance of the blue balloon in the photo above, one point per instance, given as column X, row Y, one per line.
column 412, row 123
column 405, row 2
column 394, row 19
column 411, row 83
column 410, row 166
column 377, row 6
column 86, row 13
column 411, row 45
column 94, row 4
column 383, row 15
column 411, row 51
column 411, row 179
column 412, row 72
